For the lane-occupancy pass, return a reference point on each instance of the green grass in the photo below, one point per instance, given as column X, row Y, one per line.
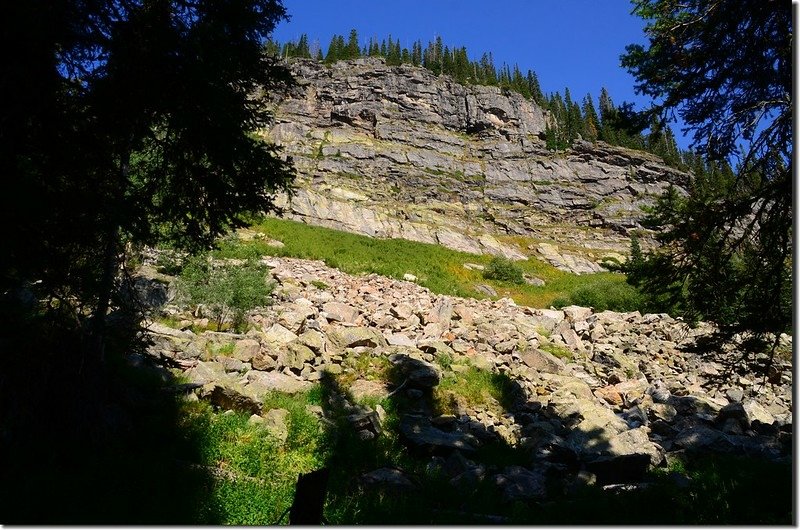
column 556, row 349
column 169, row 321
column 364, row 366
column 175, row 323
column 438, row 268
column 260, row 473
column 226, row 348
column 476, row 389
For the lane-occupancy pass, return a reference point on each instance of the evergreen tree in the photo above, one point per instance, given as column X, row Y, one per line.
column 335, row 49
column 558, row 110
column 727, row 248
column 272, row 48
column 576, row 122
column 153, row 108
column 572, row 120
column 352, row 51
column 447, row 61
column 591, row 123
column 394, row 54
column 302, row 47
column 374, row 49
column 519, row 83
column 416, row 53
column 488, row 73
column 607, row 121
column 462, row 65
column 535, row 89
column 504, row 78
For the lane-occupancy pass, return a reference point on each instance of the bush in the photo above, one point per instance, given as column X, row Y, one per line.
column 226, row 290
column 604, row 296
column 504, row 270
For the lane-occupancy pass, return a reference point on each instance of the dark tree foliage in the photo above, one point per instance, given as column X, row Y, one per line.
column 129, row 122
column 591, row 122
column 724, row 66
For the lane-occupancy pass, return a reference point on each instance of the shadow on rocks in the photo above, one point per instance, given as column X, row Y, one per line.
column 569, row 460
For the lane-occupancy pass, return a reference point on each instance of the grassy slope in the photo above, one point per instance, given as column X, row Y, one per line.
column 438, row 268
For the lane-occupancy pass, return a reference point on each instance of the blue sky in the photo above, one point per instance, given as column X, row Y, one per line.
column 568, row 43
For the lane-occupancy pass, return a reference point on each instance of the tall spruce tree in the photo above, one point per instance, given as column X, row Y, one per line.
column 352, row 51
column 726, row 68
column 140, row 133
column 591, row 122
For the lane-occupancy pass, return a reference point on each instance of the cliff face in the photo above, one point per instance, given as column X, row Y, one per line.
column 399, row 152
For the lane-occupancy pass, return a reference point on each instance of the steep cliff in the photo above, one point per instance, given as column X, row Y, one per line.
column 395, row 151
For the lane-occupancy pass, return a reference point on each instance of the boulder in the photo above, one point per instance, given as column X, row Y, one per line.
column 483, row 288
column 277, row 334
column 749, row 414
column 259, row 383
column 575, row 313
column 231, row 397
column 312, row 339
column 400, row 339
column 387, row 479
column 418, row 373
column 341, row 338
column 542, row 361
column 246, row 349
column 618, row 469
column 204, row 372
column 402, row 311
column 517, row 483
column 293, row 355
column 339, row 312
column 420, row 435
column 263, row 362
column 275, row 421
column 367, row 424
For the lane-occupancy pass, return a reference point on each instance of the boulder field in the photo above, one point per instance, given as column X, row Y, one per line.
column 592, row 396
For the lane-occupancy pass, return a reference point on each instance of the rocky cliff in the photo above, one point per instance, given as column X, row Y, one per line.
column 395, row 151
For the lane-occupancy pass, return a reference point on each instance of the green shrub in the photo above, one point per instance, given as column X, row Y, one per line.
column 228, row 291
column 604, row 296
column 226, row 349
column 504, row 270
column 445, row 360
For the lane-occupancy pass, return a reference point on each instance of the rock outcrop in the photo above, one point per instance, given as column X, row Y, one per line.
column 399, row 152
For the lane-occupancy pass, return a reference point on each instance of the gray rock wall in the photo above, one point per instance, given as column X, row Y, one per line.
column 399, row 152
